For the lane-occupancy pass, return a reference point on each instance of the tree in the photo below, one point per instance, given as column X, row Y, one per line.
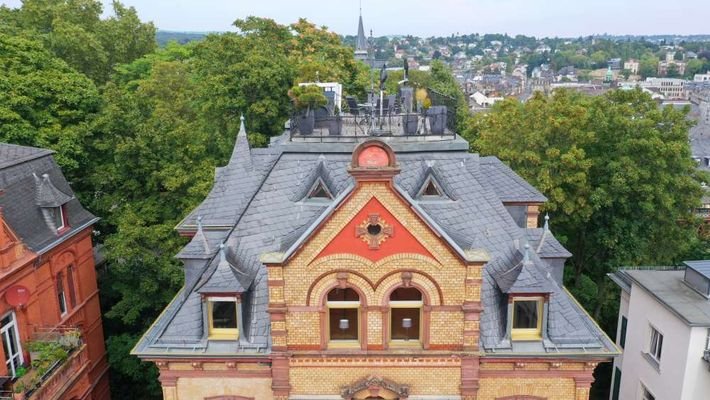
column 672, row 71
column 648, row 65
column 75, row 32
column 618, row 175
column 45, row 103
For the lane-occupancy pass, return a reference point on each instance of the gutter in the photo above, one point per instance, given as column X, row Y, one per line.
column 68, row 235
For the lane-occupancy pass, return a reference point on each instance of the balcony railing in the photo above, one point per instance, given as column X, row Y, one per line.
column 58, row 357
column 706, row 357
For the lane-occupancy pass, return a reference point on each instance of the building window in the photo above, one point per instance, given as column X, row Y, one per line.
column 70, row 285
column 527, row 319
column 11, row 343
column 59, row 218
column 343, row 317
column 61, row 296
column 223, row 318
column 622, row 332
column 405, row 315
column 656, row 344
column 646, row 394
column 617, row 384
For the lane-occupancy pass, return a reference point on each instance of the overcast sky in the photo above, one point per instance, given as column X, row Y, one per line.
column 566, row 18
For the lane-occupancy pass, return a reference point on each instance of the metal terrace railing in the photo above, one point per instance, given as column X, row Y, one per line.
column 706, row 357
column 389, row 119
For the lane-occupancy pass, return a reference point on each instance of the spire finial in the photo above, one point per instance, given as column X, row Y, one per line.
column 242, row 128
column 547, row 222
column 222, row 256
column 526, row 256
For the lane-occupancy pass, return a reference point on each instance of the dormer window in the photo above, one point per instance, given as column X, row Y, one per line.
column 319, row 191
column 223, row 318
column 526, row 321
column 431, row 190
column 58, row 218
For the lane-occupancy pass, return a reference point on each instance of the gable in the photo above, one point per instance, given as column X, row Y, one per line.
column 345, row 230
column 374, row 233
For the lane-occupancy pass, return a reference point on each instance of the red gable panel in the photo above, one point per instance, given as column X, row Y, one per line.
column 354, row 238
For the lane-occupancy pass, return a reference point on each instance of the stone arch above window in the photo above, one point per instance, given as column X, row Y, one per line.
column 228, row 398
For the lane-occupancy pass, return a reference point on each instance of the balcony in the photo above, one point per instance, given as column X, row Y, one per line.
column 58, row 359
column 386, row 118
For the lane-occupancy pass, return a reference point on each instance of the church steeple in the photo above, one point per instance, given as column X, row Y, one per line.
column 361, row 41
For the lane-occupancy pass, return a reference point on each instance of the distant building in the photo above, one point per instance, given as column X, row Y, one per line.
column 47, row 280
column 670, row 88
column 664, row 333
column 361, row 47
column 702, row 77
column 614, row 63
column 664, row 66
column 632, row 65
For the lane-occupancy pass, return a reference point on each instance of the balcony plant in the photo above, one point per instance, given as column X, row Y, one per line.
column 46, row 354
column 306, row 99
column 335, row 124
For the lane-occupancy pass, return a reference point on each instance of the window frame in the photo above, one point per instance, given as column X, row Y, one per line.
column 646, row 394
column 222, row 333
column 339, row 305
column 622, row 331
column 406, row 304
column 61, row 295
column 62, row 217
column 655, row 346
column 527, row 334
column 6, row 335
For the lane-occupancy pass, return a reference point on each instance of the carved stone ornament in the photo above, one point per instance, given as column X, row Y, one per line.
column 374, row 231
column 374, row 386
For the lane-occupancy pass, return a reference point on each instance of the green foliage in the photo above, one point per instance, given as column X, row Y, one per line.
column 74, row 31
column 307, row 97
column 618, row 175
column 44, row 102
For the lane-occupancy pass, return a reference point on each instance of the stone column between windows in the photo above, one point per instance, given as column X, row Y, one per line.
column 470, row 364
column 277, row 312
column 584, row 383
column 169, row 383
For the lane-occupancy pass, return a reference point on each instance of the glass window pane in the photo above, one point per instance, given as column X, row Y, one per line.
column 224, row 314
column 13, row 341
column 405, row 323
column 406, row 294
column 58, row 219
column 70, row 283
column 343, row 323
column 525, row 314
column 346, row 294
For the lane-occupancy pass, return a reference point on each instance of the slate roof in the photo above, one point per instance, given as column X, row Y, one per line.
column 21, row 169
column 257, row 206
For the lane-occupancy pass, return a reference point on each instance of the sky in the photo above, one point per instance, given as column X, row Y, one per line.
column 563, row 18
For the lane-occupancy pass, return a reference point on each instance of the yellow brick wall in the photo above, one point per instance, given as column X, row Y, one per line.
column 199, row 388
column 551, row 389
column 305, row 269
column 421, row 380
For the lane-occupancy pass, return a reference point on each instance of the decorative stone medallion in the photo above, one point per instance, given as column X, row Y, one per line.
column 374, row 231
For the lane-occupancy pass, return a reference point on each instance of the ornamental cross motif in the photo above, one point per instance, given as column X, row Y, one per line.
column 373, row 231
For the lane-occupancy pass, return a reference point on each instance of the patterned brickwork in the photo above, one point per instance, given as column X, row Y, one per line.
column 447, row 327
column 548, row 388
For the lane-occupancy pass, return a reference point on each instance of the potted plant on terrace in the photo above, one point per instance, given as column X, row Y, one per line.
column 305, row 99
column 335, row 124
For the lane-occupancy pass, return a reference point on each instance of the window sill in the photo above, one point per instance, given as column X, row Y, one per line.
column 412, row 343
column 651, row 360
column 344, row 344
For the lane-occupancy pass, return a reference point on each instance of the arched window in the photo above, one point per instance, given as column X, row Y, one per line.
column 343, row 317
column 405, row 315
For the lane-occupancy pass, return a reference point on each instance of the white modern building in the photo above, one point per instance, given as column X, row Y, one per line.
column 664, row 333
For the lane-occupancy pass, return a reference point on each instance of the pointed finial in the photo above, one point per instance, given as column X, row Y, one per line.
column 242, row 128
column 526, row 256
column 222, row 256
column 547, row 222
column 199, row 222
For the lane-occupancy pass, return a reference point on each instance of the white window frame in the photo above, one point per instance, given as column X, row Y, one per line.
column 61, row 295
column 655, row 346
column 646, row 394
column 9, row 358
column 61, row 218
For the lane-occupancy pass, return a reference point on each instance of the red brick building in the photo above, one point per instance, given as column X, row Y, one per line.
column 48, row 290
